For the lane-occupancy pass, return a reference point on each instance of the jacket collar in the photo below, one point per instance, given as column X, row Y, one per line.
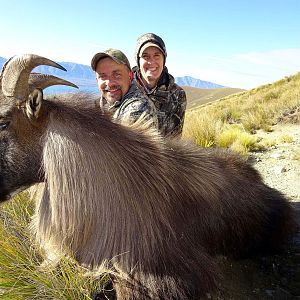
column 165, row 79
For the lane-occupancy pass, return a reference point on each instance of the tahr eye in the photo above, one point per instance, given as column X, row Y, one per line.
column 4, row 125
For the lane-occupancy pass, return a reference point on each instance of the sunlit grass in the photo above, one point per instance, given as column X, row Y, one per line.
column 20, row 258
column 286, row 138
column 201, row 131
column 296, row 155
column 260, row 108
column 235, row 137
column 266, row 143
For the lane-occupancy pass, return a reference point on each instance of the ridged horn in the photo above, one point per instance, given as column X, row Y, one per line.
column 42, row 81
column 15, row 74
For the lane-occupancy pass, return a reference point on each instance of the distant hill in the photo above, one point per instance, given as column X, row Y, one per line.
column 84, row 77
column 2, row 61
column 197, row 83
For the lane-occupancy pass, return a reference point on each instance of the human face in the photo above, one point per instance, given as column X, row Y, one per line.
column 151, row 65
column 113, row 79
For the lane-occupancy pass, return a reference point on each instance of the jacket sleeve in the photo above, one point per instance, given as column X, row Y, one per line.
column 141, row 109
column 179, row 112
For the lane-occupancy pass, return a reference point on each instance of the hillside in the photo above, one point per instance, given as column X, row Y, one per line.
column 199, row 96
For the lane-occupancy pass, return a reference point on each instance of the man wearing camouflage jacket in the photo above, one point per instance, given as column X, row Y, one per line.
column 153, row 77
column 120, row 94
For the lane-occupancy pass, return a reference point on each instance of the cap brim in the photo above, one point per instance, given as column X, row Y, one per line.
column 147, row 45
column 96, row 58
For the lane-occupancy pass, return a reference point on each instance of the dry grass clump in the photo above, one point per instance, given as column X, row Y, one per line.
column 20, row 258
column 285, row 138
column 296, row 155
column 235, row 137
column 203, row 132
column 266, row 143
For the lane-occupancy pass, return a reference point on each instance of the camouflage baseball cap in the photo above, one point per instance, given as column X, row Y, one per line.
column 146, row 40
column 117, row 55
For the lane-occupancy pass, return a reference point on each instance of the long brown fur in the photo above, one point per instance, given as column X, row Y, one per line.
column 155, row 211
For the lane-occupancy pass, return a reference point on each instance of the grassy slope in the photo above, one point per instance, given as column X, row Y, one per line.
column 197, row 96
column 245, row 111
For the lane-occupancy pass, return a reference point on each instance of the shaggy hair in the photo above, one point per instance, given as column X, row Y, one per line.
column 155, row 211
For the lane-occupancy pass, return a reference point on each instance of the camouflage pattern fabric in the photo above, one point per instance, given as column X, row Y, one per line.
column 132, row 106
column 170, row 102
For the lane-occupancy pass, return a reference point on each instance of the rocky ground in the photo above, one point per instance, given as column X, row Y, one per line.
column 273, row 277
column 280, row 165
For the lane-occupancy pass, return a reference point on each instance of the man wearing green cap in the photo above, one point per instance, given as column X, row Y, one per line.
column 120, row 94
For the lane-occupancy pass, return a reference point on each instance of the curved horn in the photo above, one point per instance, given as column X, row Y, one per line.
column 42, row 81
column 15, row 74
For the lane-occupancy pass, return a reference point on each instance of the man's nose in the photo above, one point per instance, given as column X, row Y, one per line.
column 110, row 82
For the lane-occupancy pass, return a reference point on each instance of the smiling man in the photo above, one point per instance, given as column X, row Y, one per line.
column 120, row 94
column 153, row 77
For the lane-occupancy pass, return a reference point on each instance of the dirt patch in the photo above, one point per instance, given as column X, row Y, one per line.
column 280, row 165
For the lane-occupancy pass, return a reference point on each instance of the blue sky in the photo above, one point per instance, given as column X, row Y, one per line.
column 234, row 43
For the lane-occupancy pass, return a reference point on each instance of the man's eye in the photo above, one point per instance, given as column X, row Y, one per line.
column 101, row 76
column 4, row 125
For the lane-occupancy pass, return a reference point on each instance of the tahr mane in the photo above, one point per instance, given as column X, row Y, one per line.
column 86, row 161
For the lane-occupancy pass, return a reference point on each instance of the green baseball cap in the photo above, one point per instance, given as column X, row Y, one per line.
column 117, row 55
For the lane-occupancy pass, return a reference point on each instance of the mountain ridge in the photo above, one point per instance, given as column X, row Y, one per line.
column 83, row 76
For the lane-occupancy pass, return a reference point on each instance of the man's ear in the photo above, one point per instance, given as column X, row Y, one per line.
column 34, row 104
column 131, row 75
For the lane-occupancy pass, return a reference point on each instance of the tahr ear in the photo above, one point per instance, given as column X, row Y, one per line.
column 34, row 104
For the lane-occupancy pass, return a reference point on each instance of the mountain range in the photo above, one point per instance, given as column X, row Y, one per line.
column 84, row 77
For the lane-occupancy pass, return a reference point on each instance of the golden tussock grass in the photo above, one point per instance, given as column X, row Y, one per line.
column 260, row 108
